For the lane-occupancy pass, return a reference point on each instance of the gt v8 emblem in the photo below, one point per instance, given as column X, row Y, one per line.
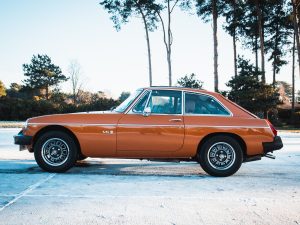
column 107, row 132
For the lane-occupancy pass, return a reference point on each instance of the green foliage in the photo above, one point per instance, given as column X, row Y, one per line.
column 248, row 91
column 42, row 74
column 233, row 13
column 2, row 89
column 278, row 32
column 190, row 81
column 122, row 10
column 124, row 95
column 22, row 109
column 204, row 8
column 296, row 119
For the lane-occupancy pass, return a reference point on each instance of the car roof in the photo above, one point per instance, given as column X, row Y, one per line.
column 180, row 89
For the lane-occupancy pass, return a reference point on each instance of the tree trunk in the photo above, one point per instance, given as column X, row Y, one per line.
column 215, row 30
column 148, row 46
column 169, row 45
column 149, row 57
column 256, row 54
column 274, row 73
column 261, row 39
column 234, row 56
column 74, row 97
column 170, row 67
column 293, row 80
column 234, row 39
column 296, row 30
column 167, row 35
column 276, row 47
column 275, row 57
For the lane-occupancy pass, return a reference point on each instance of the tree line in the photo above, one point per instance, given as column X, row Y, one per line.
column 39, row 93
column 269, row 28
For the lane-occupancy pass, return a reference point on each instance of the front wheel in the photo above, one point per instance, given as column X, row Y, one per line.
column 55, row 151
column 220, row 156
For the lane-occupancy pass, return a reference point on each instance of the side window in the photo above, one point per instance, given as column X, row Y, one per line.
column 165, row 102
column 203, row 104
column 139, row 107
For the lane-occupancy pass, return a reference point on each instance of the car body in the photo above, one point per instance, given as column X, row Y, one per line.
column 154, row 123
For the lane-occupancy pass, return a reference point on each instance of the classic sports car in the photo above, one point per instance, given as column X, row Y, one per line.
column 166, row 123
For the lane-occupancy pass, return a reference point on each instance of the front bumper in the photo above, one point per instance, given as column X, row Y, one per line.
column 22, row 140
column 276, row 144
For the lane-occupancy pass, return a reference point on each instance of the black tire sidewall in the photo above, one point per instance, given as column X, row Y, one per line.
column 203, row 160
column 73, row 151
column 80, row 157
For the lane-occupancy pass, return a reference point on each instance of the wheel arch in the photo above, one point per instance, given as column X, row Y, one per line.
column 55, row 128
column 238, row 138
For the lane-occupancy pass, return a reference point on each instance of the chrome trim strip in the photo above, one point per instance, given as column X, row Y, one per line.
column 134, row 101
column 148, row 100
column 130, row 111
column 209, row 126
column 195, row 93
column 146, row 125
column 74, row 124
column 150, row 125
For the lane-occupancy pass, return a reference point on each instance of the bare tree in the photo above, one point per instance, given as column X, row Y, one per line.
column 169, row 5
column 75, row 72
column 122, row 10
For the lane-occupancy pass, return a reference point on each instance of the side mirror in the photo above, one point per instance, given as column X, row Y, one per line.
column 147, row 111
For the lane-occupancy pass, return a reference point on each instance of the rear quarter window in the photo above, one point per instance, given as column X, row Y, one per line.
column 204, row 105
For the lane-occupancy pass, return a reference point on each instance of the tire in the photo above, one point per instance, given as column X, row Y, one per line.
column 55, row 151
column 220, row 156
column 80, row 157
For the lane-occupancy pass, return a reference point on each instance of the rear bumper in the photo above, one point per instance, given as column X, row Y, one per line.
column 276, row 144
column 21, row 139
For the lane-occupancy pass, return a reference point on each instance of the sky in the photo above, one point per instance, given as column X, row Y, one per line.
column 111, row 61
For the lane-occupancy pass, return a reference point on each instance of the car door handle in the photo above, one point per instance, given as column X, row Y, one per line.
column 175, row 120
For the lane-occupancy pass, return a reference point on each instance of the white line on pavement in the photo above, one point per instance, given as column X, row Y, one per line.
column 143, row 196
column 25, row 192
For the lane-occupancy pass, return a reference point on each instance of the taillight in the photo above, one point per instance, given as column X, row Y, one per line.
column 272, row 128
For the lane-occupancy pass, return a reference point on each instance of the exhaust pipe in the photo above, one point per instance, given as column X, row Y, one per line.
column 268, row 155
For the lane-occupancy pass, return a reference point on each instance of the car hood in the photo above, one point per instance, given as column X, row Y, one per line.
column 97, row 117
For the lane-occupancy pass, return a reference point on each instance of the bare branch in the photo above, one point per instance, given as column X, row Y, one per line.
column 174, row 6
column 74, row 71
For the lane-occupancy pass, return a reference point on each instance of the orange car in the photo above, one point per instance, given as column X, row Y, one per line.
column 164, row 123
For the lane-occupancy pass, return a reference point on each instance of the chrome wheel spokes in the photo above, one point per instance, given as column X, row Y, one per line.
column 221, row 156
column 55, row 151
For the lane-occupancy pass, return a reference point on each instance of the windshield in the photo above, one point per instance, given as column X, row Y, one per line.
column 124, row 105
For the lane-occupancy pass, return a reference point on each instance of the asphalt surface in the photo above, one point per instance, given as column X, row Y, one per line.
column 114, row 191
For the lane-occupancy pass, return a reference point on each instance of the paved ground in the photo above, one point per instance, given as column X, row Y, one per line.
column 108, row 191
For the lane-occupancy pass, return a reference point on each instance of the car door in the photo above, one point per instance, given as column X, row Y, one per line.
column 161, row 130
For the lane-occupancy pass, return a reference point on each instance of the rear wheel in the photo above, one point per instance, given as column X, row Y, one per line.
column 220, row 156
column 55, row 151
